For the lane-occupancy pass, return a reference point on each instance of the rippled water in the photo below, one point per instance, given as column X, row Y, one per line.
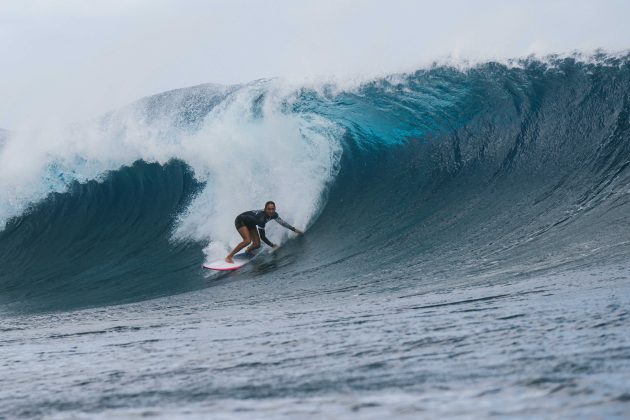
column 542, row 346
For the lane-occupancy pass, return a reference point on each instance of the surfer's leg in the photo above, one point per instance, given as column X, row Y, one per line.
column 247, row 239
column 253, row 233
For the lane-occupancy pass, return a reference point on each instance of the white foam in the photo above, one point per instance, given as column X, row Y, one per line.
column 246, row 154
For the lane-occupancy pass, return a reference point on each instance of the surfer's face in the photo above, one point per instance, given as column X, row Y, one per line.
column 270, row 210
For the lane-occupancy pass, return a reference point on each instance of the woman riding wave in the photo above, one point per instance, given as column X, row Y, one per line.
column 251, row 226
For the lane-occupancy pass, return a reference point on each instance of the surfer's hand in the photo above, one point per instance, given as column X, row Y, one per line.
column 299, row 232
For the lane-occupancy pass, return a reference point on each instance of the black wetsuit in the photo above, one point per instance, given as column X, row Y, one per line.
column 258, row 219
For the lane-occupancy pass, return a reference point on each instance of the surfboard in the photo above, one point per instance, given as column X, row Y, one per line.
column 221, row 265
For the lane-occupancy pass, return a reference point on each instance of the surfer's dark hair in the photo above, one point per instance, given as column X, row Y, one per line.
column 269, row 202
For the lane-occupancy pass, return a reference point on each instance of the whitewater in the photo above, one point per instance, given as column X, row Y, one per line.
column 466, row 249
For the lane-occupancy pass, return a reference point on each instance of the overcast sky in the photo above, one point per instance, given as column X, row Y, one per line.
column 74, row 59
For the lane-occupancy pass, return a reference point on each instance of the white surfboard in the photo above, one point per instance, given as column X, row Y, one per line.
column 221, row 265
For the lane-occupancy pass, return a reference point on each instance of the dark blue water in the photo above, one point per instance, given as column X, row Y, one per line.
column 469, row 258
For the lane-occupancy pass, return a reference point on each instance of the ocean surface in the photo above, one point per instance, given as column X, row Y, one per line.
column 467, row 250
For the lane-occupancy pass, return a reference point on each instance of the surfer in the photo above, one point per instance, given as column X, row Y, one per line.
column 251, row 226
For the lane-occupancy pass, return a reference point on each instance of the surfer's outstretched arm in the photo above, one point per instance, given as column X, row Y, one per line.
column 281, row 222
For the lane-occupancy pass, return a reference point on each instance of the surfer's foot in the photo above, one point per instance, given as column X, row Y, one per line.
column 229, row 259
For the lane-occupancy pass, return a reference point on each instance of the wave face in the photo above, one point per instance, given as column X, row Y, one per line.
column 485, row 173
column 102, row 241
column 445, row 174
